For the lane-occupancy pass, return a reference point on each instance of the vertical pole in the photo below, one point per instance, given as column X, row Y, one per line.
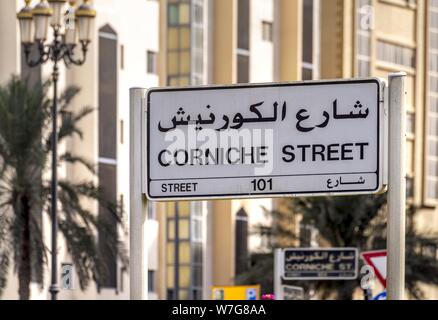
column 367, row 294
column 176, row 257
column 396, row 187
column 277, row 274
column 54, row 196
column 137, row 212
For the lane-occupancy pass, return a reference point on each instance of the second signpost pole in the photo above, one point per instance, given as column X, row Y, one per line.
column 277, row 274
column 396, row 186
column 137, row 204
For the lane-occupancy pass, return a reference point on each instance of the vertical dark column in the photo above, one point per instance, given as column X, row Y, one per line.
column 243, row 32
column 107, row 171
column 307, row 69
column 241, row 252
column 33, row 78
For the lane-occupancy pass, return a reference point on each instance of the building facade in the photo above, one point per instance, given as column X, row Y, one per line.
column 265, row 41
column 192, row 246
column 365, row 38
column 222, row 42
column 120, row 57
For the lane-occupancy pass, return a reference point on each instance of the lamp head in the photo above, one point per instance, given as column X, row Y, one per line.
column 57, row 7
column 85, row 15
column 25, row 17
column 70, row 24
column 41, row 14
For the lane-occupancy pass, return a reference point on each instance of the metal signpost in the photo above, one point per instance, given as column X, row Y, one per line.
column 267, row 140
column 395, row 282
column 137, row 204
column 278, row 260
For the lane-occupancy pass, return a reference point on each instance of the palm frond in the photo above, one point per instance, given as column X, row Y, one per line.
column 67, row 96
column 25, row 149
column 4, row 252
column 74, row 159
column 357, row 221
column 82, row 248
column 69, row 125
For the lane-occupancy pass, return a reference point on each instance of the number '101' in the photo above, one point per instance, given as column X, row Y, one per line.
column 261, row 184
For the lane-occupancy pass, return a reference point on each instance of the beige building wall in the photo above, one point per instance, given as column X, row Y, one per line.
column 10, row 62
column 403, row 24
column 131, row 72
column 336, row 39
column 225, row 41
column 290, row 39
column 223, row 243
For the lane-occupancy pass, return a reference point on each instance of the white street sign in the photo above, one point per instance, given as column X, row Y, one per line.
column 265, row 140
column 292, row 293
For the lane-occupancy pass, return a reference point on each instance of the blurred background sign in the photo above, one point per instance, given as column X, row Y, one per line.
column 236, row 293
column 377, row 260
column 380, row 296
column 292, row 293
column 320, row 263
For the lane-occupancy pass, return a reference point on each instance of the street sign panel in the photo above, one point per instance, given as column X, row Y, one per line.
column 377, row 260
column 292, row 293
column 259, row 140
column 320, row 263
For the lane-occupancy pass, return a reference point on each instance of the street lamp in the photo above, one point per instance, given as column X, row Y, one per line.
column 34, row 27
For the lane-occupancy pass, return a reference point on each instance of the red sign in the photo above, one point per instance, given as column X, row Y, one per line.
column 377, row 260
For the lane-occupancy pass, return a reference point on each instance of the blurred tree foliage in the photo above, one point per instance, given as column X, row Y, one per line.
column 25, row 149
column 347, row 221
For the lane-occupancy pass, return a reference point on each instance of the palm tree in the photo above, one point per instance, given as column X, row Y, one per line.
column 25, row 146
column 348, row 221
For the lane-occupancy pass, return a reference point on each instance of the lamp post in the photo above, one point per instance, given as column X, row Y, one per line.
column 77, row 26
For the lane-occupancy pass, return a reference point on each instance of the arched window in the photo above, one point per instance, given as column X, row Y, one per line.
column 107, row 172
column 243, row 36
